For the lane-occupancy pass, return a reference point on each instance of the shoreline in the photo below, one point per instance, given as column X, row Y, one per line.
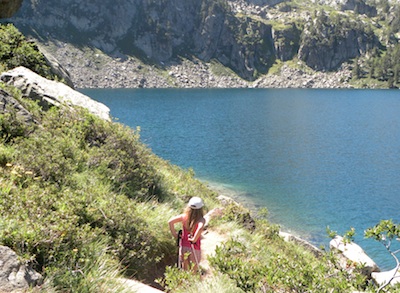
column 285, row 232
column 238, row 197
column 93, row 69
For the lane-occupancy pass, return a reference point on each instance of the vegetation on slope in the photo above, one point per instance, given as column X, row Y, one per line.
column 324, row 27
column 15, row 51
column 83, row 200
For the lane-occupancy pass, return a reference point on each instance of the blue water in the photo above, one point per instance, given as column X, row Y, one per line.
column 314, row 158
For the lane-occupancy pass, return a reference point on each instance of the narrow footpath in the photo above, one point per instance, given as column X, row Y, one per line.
column 210, row 240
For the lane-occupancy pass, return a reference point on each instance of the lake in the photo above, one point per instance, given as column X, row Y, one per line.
column 314, row 158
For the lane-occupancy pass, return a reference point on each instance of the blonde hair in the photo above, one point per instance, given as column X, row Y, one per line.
column 193, row 216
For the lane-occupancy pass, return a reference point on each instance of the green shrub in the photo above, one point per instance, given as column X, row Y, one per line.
column 77, row 185
column 179, row 281
column 269, row 265
column 12, row 126
column 16, row 51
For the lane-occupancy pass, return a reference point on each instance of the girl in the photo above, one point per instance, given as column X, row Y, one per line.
column 193, row 224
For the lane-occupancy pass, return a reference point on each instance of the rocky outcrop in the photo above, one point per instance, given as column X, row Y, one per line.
column 355, row 254
column 287, row 42
column 10, row 105
column 159, row 31
column 56, row 68
column 49, row 92
column 307, row 245
column 243, row 44
column 14, row 275
column 246, row 36
column 391, row 277
column 327, row 43
column 360, row 7
column 102, row 71
column 9, row 7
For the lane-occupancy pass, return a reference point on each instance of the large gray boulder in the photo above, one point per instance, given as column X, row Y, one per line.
column 9, row 7
column 50, row 92
column 15, row 276
column 360, row 7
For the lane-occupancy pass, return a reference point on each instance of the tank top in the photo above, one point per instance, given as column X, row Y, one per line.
column 185, row 235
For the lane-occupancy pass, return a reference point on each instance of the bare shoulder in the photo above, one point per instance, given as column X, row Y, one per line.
column 178, row 218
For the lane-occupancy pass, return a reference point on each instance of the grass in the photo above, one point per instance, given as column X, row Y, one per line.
column 220, row 70
column 74, row 186
column 85, row 202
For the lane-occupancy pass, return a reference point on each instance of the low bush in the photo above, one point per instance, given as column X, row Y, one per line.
column 79, row 194
column 16, row 51
column 262, row 264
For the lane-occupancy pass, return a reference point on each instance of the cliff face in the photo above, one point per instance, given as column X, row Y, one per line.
column 247, row 36
column 9, row 7
column 328, row 42
column 157, row 30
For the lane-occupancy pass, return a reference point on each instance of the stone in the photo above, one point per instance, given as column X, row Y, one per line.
column 307, row 245
column 55, row 66
column 8, row 103
column 51, row 93
column 226, row 200
column 207, row 30
column 9, row 7
column 14, row 275
column 354, row 253
column 382, row 278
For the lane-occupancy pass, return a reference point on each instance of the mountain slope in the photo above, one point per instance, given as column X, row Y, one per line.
column 248, row 37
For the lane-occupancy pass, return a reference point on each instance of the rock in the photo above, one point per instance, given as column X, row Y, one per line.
column 49, row 92
column 7, row 102
column 214, row 213
column 291, row 238
column 55, row 67
column 287, row 42
column 354, row 253
column 14, row 275
column 382, row 278
column 199, row 74
column 226, row 200
column 156, row 31
column 327, row 43
column 9, row 7
column 360, row 7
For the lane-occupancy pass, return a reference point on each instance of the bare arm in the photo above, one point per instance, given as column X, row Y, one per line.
column 172, row 223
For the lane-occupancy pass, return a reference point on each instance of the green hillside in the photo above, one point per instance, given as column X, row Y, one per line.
column 83, row 201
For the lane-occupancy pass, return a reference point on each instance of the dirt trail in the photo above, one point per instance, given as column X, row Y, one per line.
column 209, row 241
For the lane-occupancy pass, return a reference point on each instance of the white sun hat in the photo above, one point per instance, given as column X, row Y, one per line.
column 196, row 203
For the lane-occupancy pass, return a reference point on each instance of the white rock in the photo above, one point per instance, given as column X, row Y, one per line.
column 383, row 277
column 52, row 92
column 354, row 253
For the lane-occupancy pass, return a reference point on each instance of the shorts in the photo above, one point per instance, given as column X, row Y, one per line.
column 184, row 249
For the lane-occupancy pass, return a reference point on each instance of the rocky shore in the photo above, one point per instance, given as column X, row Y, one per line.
column 94, row 69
